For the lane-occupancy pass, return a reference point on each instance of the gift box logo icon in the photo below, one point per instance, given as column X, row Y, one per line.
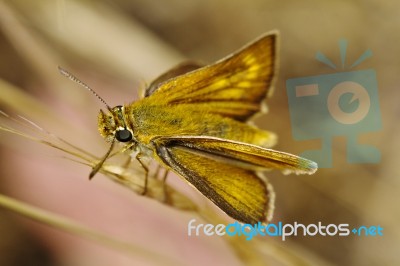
column 338, row 104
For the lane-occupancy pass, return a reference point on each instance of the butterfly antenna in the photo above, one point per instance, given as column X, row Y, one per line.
column 75, row 79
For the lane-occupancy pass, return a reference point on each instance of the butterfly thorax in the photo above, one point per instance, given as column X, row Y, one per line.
column 149, row 121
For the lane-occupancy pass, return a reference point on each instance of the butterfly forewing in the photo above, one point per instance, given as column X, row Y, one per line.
column 240, row 153
column 233, row 87
column 178, row 70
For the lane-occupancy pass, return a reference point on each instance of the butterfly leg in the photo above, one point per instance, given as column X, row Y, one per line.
column 146, row 169
column 164, row 180
column 157, row 173
column 127, row 162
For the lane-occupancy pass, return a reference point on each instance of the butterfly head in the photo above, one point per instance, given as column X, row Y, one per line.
column 113, row 125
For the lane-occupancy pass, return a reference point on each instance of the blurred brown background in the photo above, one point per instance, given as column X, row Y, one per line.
column 117, row 47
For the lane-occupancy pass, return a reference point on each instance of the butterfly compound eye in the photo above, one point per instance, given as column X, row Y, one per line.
column 123, row 135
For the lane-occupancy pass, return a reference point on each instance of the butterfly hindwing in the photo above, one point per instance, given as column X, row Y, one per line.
column 238, row 192
column 225, row 171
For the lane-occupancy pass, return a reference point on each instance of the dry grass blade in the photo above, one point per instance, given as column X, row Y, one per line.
column 131, row 177
column 70, row 226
